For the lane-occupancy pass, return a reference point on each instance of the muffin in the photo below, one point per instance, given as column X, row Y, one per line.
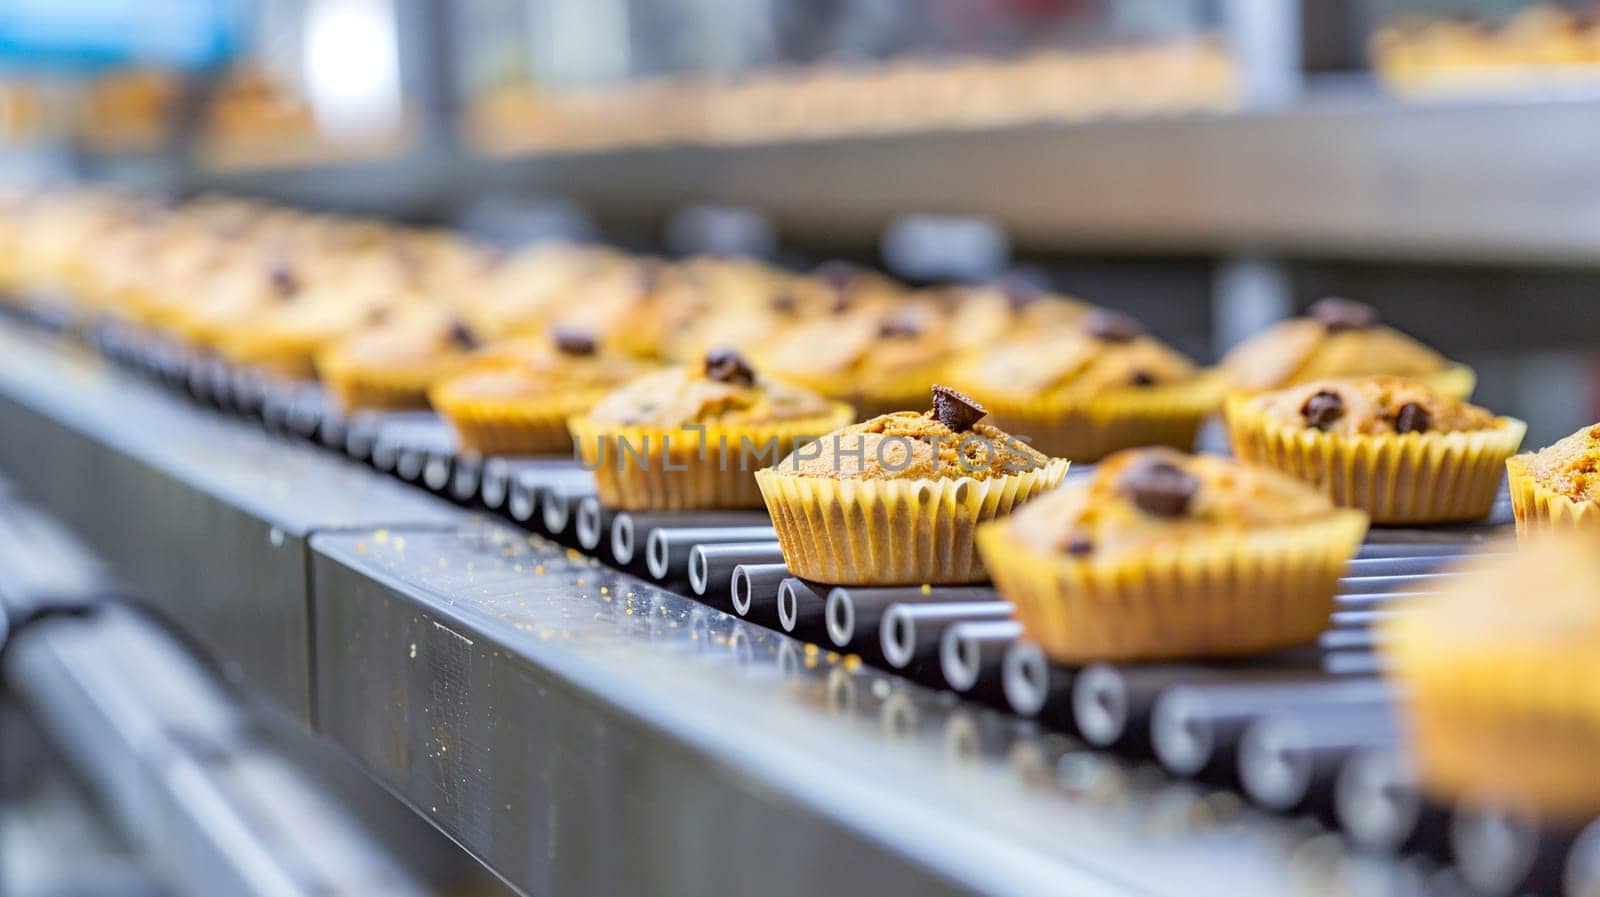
column 895, row 500
column 1164, row 555
column 878, row 357
column 691, row 437
column 978, row 316
column 234, row 295
column 285, row 339
column 1558, row 488
column 742, row 303
column 613, row 303
column 1389, row 446
column 1501, row 702
column 1339, row 338
column 524, row 290
column 1087, row 389
column 391, row 365
column 515, row 399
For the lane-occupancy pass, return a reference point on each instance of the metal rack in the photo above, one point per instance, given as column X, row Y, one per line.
column 461, row 661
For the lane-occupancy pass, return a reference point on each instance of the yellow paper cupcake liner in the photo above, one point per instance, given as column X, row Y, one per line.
column 513, row 426
column 1503, row 754
column 1088, row 429
column 892, row 532
column 1396, row 478
column 290, row 359
column 381, row 388
column 1539, row 509
column 666, row 470
column 1517, row 726
column 1232, row 594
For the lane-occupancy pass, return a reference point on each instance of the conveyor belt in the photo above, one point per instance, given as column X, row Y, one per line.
column 1305, row 731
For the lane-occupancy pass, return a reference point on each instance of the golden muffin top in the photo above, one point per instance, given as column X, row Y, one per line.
column 1570, row 467
column 1371, row 406
column 724, row 389
column 1337, row 338
column 563, row 361
column 1102, row 350
column 945, row 442
column 1534, row 601
column 1140, row 500
column 864, row 344
column 409, row 335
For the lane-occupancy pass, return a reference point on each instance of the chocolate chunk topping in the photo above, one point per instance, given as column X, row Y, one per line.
column 1019, row 291
column 901, row 325
column 1112, row 326
column 649, row 273
column 1322, row 410
column 1078, row 546
column 283, row 281
column 784, row 304
column 729, row 366
column 1143, row 378
column 1343, row 314
column 462, row 336
column 1412, row 418
column 840, row 275
column 574, row 341
column 956, row 410
column 1160, row 488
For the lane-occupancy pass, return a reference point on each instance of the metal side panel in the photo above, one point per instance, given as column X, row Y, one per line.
column 178, row 762
column 205, row 514
column 583, row 733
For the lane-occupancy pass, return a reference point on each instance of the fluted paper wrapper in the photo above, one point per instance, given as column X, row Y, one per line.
column 1539, row 509
column 1228, row 595
column 1396, row 478
column 1516, row 727
column 382, row 388
column 1088, row 429
column 286, row 357
column 1489, row 748
column 501, row 426
column 892, row 532
column 373, row 390
column 654, row 481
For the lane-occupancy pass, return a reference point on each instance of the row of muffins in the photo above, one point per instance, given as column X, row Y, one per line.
column 1157, row 554
column 385, row 316
column 523, row 344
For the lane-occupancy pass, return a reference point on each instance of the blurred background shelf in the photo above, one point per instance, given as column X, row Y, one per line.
column 1345, row 171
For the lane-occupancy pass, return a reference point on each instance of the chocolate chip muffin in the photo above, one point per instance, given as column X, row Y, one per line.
column 285, row 339
column 1558, row 488
column 515, row 399
column 895, row 500
column 1339, row 338
column 1162, row 555
column 1085, row 389
column 1393, row 447
column 878, row 356
column 980, row 316
column 390, row 366
column 692, row 437
column 1499, row 668
column 522, row 292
